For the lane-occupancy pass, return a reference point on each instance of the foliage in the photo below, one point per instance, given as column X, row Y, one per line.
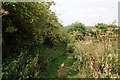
column 34, row 43
column 31, row 65
column 97, row 59
column 104, row 27
column 96, row 56
column 70, row 47
column 77, row 27
column 34, row 22
column 32, row 38
column 55, row 66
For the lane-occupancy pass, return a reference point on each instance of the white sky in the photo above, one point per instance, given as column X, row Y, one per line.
column 86, row 11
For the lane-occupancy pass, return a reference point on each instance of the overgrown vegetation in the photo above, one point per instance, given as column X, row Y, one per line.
column 97, row 55
column 36, row 45
column 32, row 38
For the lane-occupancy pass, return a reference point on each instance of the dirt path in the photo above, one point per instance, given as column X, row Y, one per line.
column 64, row 67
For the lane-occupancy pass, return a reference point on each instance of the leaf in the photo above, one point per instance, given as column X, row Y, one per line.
column 20, row 78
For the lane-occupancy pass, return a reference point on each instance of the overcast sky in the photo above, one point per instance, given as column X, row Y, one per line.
column 88, row 12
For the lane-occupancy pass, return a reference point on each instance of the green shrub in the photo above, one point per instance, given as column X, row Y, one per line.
column 70, row 47
column 33, row 24
column 31, row 64
column 77, row 26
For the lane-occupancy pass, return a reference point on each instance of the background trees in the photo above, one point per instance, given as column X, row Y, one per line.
column 77, row 27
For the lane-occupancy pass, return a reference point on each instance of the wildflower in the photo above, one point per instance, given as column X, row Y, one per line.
column 109, row 32
column 62, row 65
column 4, row 12
column 79, row 58
column 89, row 34
column 93, row 30
column 110, row 55
column 99, row 30
column 117, row 28
column 102, row 35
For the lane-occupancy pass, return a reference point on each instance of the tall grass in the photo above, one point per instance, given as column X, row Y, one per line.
column 32, row 64
column 98, row 55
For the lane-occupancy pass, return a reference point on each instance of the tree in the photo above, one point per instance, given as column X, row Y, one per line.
column 77, row 27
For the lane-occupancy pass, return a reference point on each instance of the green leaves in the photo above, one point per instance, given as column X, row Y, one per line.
column 11, row 29
column 77, row 29
column 35, row 25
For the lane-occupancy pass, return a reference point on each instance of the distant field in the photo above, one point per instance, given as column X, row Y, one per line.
column 90, row 26
column 87, row 26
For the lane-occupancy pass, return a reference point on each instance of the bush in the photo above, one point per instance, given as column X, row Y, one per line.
column 29, row 64
column 70, row 47
column 33, row 38
column 33, row 24
column 77, row 26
